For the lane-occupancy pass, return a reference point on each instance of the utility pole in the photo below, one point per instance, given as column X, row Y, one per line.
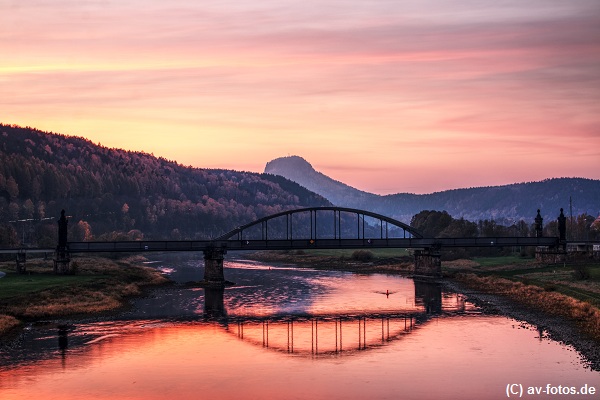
column 571, row 213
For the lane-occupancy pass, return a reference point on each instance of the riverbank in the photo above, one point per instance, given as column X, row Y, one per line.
column 359, row 261
column 530, row 304
column 99, row 285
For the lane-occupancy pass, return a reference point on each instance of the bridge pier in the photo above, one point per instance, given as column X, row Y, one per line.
column 20, row 259
column 427, row 263
column 554, row 254
column 62, row 259
column 213, row 266
column 62, row 262
column 550, row 255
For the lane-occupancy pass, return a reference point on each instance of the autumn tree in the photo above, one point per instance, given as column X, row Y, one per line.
column 81, row 232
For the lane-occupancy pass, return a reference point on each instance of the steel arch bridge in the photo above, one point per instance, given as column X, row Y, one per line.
column 335, row 223
column 343, row 232
column 304, row 228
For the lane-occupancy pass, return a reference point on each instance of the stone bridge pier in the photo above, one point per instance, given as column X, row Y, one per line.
column 427, row 263
column 213, row 266
column 21, row 259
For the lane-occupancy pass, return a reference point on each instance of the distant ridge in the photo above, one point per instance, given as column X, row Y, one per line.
column 505, row 203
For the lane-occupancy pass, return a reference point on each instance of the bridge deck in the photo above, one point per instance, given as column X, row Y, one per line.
column 27, row 250
column 233, row 245
column 299, row 244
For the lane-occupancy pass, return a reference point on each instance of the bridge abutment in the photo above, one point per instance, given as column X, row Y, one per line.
column 427, row 263
column 213, row 266
column 21, row 258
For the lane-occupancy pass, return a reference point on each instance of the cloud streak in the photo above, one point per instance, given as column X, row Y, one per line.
column 351, row 85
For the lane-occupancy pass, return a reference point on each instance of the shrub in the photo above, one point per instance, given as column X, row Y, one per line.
column 7, row 323
column 581, row 272
column 362, row 255
column 550, row 287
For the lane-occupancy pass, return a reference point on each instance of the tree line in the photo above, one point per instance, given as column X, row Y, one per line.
column 113, row 193
column 442, row 225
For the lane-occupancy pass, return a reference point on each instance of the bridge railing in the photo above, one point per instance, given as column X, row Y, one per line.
column 284, row 244
column 384, row 243
column 139, row 246
column 288, row 244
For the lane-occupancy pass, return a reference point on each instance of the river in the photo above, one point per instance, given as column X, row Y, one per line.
column 284, row 332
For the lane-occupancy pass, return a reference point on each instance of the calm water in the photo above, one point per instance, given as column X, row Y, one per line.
column 289, row 333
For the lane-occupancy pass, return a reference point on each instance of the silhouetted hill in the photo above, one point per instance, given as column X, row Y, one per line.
column 299, row 170
column 123, row 193
column 501, row 203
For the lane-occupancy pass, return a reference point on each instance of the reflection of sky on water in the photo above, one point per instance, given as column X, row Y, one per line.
column 288, row 290
column 468, row 357
column 265, row 289
column 261, row 290
column 276, row 289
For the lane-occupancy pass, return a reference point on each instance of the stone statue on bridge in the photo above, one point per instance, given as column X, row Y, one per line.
column 539, row 227
column 562, row 226
column 62, row 231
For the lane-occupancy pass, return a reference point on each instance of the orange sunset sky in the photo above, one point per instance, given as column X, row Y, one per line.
column 385, row 95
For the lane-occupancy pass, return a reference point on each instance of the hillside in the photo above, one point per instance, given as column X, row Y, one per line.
column 504, row 204
column 112, row 193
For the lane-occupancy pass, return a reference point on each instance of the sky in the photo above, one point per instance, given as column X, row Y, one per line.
column 387, row 96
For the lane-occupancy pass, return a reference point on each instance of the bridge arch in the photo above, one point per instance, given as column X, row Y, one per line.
column 385, row 223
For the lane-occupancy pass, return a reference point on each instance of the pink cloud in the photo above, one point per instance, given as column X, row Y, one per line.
column 375, row 87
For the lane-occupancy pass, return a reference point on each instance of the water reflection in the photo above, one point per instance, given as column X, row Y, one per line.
column 214, row 306
column 63, row 338
column 324, row 336
column 429, row 295
column 276, row 290
column 155, row 360
column 284, row 332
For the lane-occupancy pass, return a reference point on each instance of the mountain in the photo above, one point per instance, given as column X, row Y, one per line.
column 504, row 204
column 113, row 193
column 299, row 170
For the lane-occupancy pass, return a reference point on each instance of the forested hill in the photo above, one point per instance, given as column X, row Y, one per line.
column 504, row 204
column 112, row 193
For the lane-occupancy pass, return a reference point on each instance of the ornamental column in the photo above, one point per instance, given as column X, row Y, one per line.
column 62, row 259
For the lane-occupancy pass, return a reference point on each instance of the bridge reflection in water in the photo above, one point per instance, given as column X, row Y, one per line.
column 325, row 335
column 332, row 334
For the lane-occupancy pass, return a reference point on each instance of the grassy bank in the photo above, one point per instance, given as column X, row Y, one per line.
column 100, row 284
column 580, row 280
column 361, row 261
column 583, row 313
column 569, row 290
